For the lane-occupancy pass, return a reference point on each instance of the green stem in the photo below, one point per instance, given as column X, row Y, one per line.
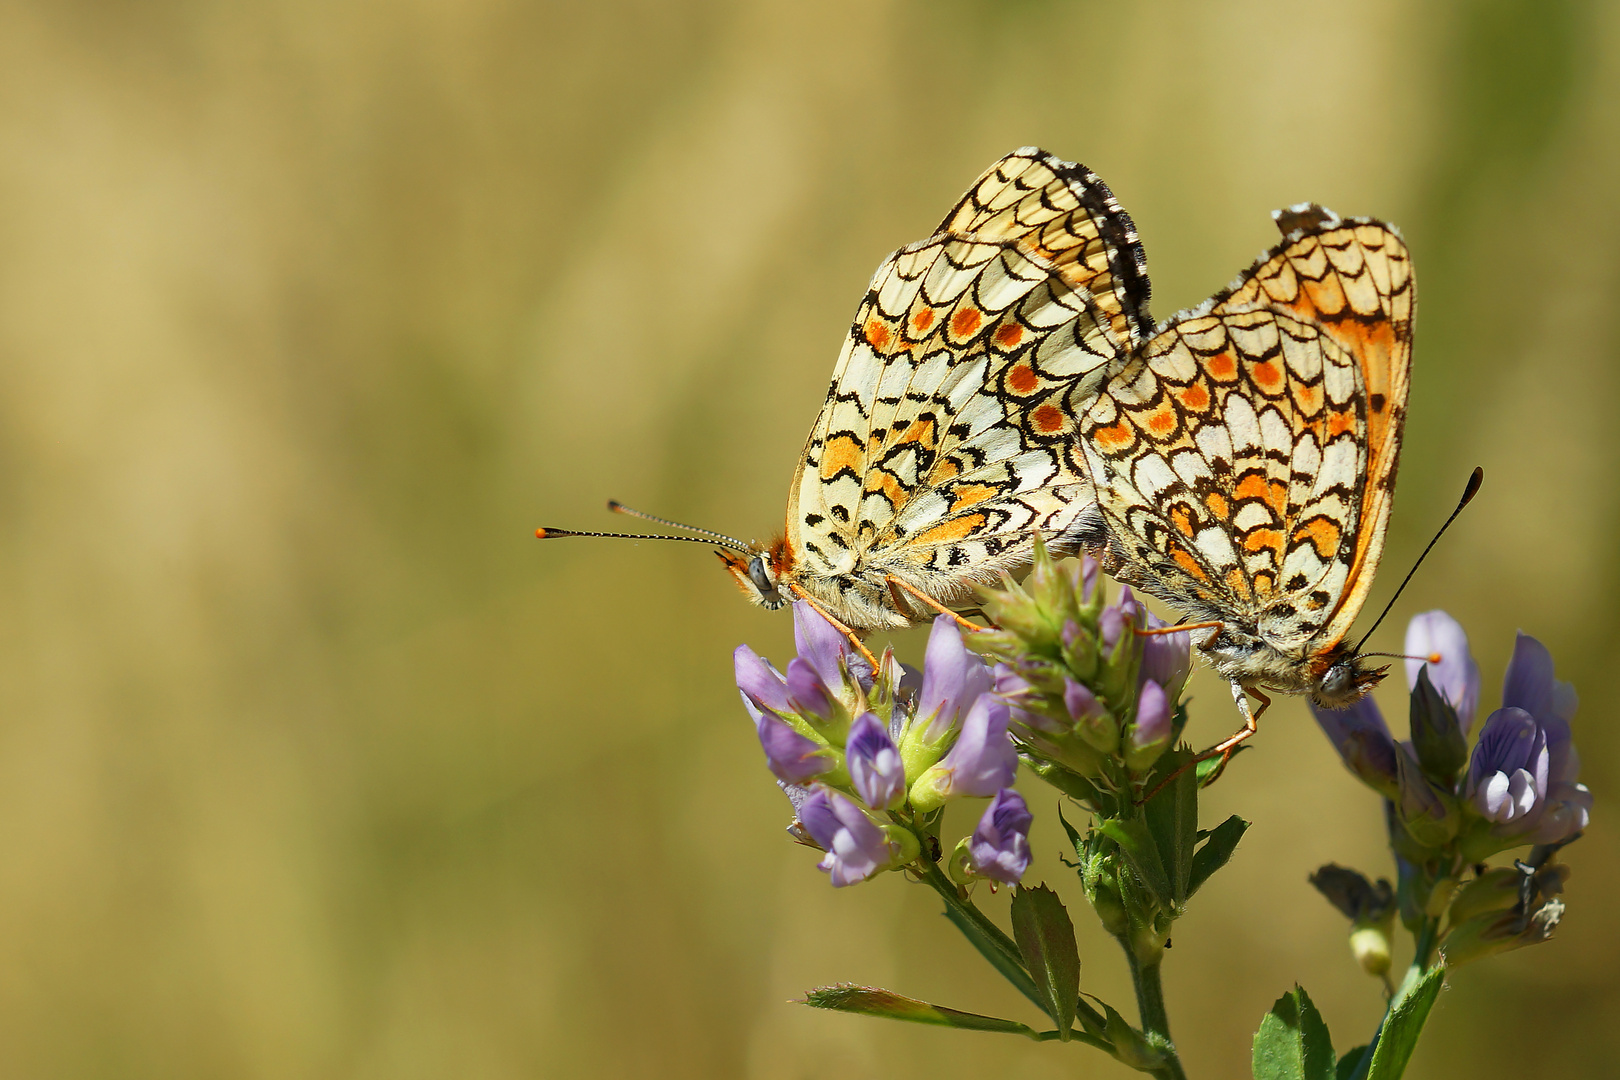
column 1150, row 1006
column 1427, row 934
column 986, row 934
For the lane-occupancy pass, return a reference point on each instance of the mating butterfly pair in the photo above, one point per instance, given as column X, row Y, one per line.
column 1003, row 380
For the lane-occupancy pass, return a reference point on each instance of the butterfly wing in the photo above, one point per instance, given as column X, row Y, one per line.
column 947, row 439
column 1245, row 457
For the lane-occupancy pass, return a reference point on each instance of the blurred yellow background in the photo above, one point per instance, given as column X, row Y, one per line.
column 314, row 764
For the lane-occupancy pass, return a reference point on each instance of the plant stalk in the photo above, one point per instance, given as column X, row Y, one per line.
column 1150, row 1007
column 1421, row 955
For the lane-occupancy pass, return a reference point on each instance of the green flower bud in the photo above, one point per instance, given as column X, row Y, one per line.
column 1493, row 933
column 1370, row 946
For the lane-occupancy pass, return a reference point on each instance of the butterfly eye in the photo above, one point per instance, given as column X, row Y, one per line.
column 762, row 578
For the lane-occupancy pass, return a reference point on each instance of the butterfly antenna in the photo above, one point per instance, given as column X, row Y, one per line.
column 551, row 534
column 1474, row 481
column 619, row 508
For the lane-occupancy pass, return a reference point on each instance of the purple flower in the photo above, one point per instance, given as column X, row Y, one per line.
column 1363, row 741
column 1508, row 773
column 789, row 755
column 952, row 680
column 999, row 847
column 1559, row 806
column 806, row 692
column 1455, row 675
column 822, row 645
column 856, row 846
column 1166, row 658
column 759, row 681
column 980, row 763
column 1110, row 625
column 1150, row 734
column 874, row 764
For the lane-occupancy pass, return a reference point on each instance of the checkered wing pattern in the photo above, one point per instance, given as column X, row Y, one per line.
column 948, row 437
column 1245, row 457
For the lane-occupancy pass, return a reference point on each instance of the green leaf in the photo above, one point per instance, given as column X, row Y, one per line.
column 1045, row 936
column 1069, row 782
column 1293, row 1042
column 1402, row 1027
column 872, row 1001
column 1130, row 1045
column 1219, row 843
column 1347, row 1064
column 1209, row 770
column 1075, row 838
column 1136, row 843
column 1172, row 819
column 994, row 950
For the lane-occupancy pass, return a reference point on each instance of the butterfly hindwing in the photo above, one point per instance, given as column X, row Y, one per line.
column 1245, row 456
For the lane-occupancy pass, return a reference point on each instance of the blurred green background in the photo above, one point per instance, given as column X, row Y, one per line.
column 314, row 764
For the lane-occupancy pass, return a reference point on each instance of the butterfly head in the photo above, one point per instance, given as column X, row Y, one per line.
column 1342, row 676
column 759, row 573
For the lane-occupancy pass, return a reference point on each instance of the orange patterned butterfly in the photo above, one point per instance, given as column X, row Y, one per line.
column 948, row 440
column 1244, row 457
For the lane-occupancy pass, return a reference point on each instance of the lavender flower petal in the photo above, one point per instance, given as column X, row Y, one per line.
column 789, row 755
column 874, row 764
column 983, row 760
column 1166, row 658
column 856, row 847
column 1455, row 674
column 952, row 679
column 999, row 847
column 1363, row 741
column 806, row 691
column 758, row 680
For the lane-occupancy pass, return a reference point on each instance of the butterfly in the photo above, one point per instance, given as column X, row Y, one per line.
column 948, row 440
column 1244, row 457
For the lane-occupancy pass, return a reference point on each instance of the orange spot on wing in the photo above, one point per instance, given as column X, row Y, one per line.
column 1237, row 582
column 1262, row 538
column 1252, row 486
column 1194, row 397
column 922, row 431
column 921, row 321
column 1221, row 366
column 1022, row 379
column 1188, row 563
column 968, row 494
column 1341, row 422
column 841, row 453
column 1182, row 520
column 1114, row 437
column 1267, row 376
column 966, row 321
column 877, row 332
column 1217, row 505
column 942, row 471
column 955, row 529
column 1162, row 420
column 881, row 480
column 1320, row 532
column 1009, row 335
column 1048, row 419
column 1264, row 584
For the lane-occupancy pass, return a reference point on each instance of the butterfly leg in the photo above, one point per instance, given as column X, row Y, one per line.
column 854, row 638
column 930, row 601
column 1228, row 746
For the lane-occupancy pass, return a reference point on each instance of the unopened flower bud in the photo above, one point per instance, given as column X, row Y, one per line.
column 1150, row 733
column 1370, row 946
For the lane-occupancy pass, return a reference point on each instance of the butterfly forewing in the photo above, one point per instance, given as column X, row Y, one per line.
column 948, row 438
column 1245, row 457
